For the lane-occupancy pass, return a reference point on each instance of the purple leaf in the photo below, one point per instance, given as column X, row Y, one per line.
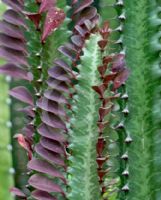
column 81, row 31
column 15, row 72
column 46, row 5
column 54, row 19
column 52, row 120
column 58, row 73
column 51, row 133
column 41, row 195
column 83, row 5
column 58, row 85
column 67, row 52
column 17, row 192
column 43, row 183
column 63, row 65
column 14, row 18
column 28, row 111
column 77, row 40
column 121, row 78
column 55, row 95
column 51, row 106
column 87, row 14
column 22, row 94
column 13, row 56
column 118, row 63
column 28, row 131
column 11, row 30
column 14, row 4
column 50, row 156
column 44, row 167
column 12, row 43
column 52, row 145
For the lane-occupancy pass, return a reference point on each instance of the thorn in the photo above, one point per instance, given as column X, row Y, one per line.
column 122, row 16
column 125, row 111
column 125, row 188
column 125, row 96
column 37, row 54
column 39, row 80
column 119, row 28
column 9, row 124
column 125, row 157
column 12, row 170
column 120, row 3
column 125, row 173
column 120, row 125
column 38, row 94
column 34, row 109
column 39, row 67
column 8, row 79
column 128, row 140
column 8, row 101
column 9, row 147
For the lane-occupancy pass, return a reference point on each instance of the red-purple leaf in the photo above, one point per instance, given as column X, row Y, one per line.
column 17, row 192
column 42, row 195
column 100, row 89
column 25, row 144
column 22, row 94
column 54, row 19
column 35, row 17
column 102, row 44
column 104, row 111
column 15, row 72
column 46, row 5
column 105, row 30
column 109, row 77
column 44, row 167
column 50, row 156
column 51, row 133
column 100, row 145
column 14, row 18
column 102, row 69
column 53, row 120
column 43, row 183
column 110, row 98
column 52, row 145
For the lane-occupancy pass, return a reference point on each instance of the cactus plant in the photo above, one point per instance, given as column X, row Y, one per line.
column 93, row 96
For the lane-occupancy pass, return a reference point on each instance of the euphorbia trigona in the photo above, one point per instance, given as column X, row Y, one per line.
column 76, row 137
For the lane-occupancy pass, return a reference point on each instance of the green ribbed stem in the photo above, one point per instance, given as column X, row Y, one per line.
column 140, row 86
column 6, row 175
column 83, row 179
